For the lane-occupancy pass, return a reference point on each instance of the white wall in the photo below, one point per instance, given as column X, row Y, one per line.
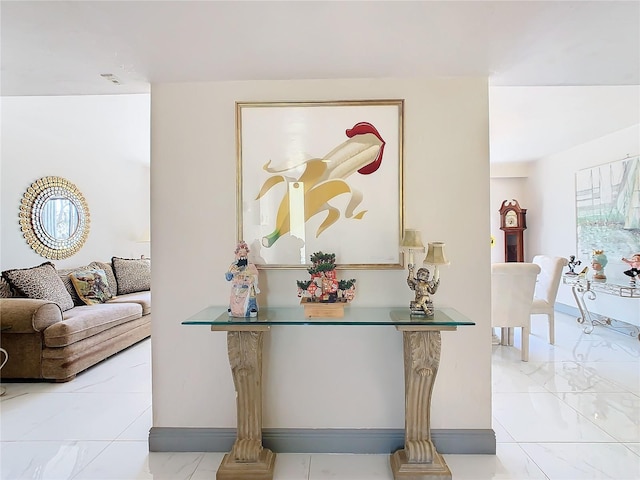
column 553, row 220
column 317, row 377
column 99, row 143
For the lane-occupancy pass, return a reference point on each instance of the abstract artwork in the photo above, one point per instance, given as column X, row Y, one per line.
column 321, row 176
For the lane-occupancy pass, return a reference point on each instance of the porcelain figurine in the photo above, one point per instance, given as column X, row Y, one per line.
column 424, row 288
column 634, row 263
column 573, row 263
column 244, row 284
column 598, row 262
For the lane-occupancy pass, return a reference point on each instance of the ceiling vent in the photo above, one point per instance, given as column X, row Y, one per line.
column 111, row 78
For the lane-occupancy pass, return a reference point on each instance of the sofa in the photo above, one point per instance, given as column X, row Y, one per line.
column 57, row 323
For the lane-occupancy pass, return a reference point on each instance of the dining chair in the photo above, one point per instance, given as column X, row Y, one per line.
column 512, row 287
column 544, row 298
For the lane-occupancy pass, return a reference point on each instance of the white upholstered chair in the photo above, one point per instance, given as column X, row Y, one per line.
column 512, row 287
column 544, row 298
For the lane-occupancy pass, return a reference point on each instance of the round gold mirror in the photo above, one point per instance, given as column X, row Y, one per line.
column 54, row 217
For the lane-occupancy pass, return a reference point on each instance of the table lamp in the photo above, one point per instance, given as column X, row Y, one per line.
column 419, row 281
column 435, row 256
column 411, row 242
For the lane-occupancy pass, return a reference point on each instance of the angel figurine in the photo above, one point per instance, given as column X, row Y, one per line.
column 424, row 288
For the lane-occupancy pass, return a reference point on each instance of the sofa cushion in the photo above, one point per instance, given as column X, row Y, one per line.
column 91, row 285
column 64, row 362
column 28, row 315
column 111, row 278
column 132, row 275
column 83, row 322
column 63, row 273
column 41, row 282
column 141, row 298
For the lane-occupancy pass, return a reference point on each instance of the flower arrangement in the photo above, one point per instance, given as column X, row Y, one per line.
column 324, row 287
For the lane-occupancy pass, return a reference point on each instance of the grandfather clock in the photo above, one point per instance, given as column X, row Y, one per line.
column 513, row 223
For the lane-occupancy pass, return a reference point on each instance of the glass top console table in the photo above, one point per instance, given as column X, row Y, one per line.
column 421, row 345
column 582, row 287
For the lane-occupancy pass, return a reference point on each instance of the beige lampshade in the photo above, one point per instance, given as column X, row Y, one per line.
column 435, row 254
column 412, row 240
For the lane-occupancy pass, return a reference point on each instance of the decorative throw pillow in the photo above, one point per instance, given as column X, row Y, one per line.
column 64, row 276
column 132, row 275
column 5, row 289
column 41, row 282
column 111, row 278
column 91, row 285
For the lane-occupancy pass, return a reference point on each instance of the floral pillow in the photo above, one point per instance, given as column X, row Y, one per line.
column 91, row 285
column 41, row 282
column 64, row 276
column 111, row 278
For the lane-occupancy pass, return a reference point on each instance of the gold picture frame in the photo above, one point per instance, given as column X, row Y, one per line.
column 321, row 176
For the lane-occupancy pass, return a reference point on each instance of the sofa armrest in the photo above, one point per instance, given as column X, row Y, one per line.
column 27, row 315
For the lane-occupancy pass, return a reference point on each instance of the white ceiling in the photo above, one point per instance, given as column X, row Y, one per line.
column 534, row 53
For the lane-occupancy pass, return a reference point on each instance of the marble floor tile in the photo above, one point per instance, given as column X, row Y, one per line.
column 509, row 378
column 543, row 417
column 625, row 374
column 208, row 466
column 502, row 436
column 634, row 447
column 14, row 389
column 509, row 463
column 292, row 466
column 582, row 461
column 139, row 429
column 90, row 416
column 599, row 349
column 539, row 351
column 46, row 460
column 26, row 412
column 350, row 467
column 618, row 414
column 568, row 376
column 124, row 460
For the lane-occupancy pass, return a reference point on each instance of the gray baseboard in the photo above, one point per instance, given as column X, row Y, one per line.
column 331, row 440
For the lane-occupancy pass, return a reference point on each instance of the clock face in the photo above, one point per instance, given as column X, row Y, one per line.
column 511, row 219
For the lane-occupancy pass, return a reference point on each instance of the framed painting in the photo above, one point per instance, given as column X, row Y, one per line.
column 321, row 177
column 608, row 209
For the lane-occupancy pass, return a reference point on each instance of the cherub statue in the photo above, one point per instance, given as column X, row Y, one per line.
column 424, row 288
column 634, row 263
column 573, row 263
column 244, row 278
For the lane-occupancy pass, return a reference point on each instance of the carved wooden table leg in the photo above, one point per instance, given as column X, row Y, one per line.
column 419, row 460
column 248, row 460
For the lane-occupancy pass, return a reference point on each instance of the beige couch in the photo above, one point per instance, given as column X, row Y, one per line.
column 49, row 339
